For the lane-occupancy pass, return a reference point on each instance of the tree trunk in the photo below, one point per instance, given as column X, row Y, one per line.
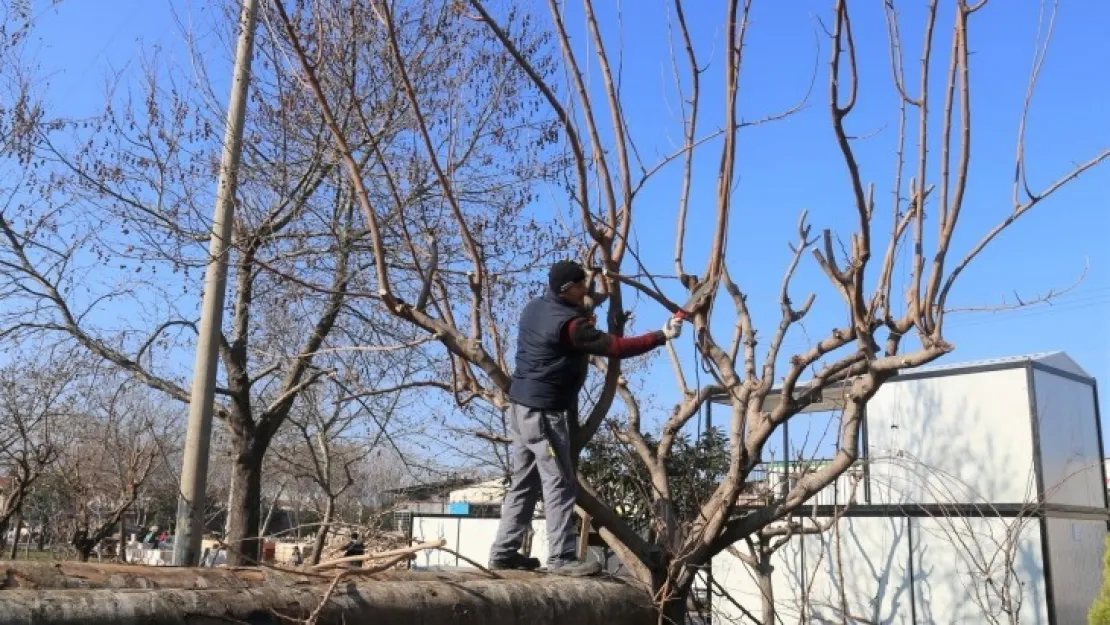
column 83, row 545
column 121, row 548
column 673, row 611
column 270, row 512
column 766, row 589
column 15, row 536
column 322, row 535
column 42, row 533
column 243, row 509
column 438, row 599
column 230, row 502
column 584, row 537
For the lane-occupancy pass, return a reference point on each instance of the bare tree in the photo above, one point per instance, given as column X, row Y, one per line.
column 110, row 223
column 381, row 471
column 763, row 393
column 32, row 396
column 324, row 451
column 37, row 399
column 109, row 453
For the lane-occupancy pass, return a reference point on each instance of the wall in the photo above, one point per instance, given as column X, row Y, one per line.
column 436, row 506
column 469, row 536
column 963, row 438
column 953, row 557
column 492, row 491
column 1075, row 550
column 871, row 560
column 1070, row 458
column 740, row 582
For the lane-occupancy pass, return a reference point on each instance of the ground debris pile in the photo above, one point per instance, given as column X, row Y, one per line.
column 373, row 543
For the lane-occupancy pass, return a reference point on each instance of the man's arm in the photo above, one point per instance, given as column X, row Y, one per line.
column 579, row 334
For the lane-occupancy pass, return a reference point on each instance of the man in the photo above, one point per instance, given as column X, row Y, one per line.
column 354, row 547
column 556, row 338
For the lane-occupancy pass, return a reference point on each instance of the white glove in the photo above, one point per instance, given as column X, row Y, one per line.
column 673, row 328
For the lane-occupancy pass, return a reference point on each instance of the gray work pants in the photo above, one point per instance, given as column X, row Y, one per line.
column 541, row 465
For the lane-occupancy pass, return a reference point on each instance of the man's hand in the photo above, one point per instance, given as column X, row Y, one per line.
column 673, row 328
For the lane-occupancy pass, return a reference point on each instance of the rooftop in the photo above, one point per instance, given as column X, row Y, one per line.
column 1056, row 359
column 832, row 401
column 427, row 489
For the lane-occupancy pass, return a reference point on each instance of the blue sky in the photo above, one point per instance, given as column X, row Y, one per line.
column 793, row 165
column 785, row 167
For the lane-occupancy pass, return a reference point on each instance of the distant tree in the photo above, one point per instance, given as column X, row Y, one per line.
column 111, row 450
column 106, row 219
column 38, row 400
column 323, row 450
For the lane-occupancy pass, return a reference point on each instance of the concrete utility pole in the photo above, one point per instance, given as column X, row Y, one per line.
column 194, row 471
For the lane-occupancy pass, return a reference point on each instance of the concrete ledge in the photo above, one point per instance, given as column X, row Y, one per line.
column 257, row 596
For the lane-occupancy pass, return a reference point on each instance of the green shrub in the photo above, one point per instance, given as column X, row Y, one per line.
column 1100, row 609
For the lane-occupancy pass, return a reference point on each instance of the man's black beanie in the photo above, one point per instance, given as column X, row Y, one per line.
column 563, row 274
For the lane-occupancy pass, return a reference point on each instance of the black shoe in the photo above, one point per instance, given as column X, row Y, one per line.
column 575, row 568
column 516, row 561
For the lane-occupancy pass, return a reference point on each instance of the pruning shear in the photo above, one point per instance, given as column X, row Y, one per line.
column 698, row 298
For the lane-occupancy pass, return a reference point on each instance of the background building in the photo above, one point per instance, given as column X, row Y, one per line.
column 984, row 500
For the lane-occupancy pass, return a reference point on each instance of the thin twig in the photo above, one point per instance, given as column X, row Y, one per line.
column 470, row 562
column 315, row 616
column 1045, row 298
column 493, row 438
column 383, row 554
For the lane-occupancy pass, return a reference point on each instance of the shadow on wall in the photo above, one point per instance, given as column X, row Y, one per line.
column 969, row 441
column 881, row 567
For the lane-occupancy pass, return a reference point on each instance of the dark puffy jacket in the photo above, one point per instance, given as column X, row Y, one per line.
column 548, row 376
